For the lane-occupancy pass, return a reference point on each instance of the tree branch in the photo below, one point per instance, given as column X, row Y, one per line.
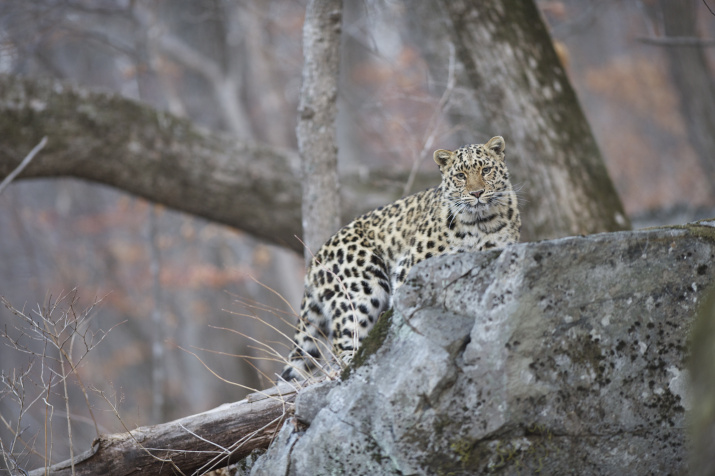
column 115, row 141
column 678, row 41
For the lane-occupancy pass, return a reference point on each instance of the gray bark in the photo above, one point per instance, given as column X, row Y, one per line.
column 565, row 356
column 316, row 123
column 693, row 81
column 526, row 97
column 189, row 444
column 115, row 141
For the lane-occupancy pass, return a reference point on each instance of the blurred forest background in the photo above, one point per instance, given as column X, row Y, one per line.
column 171, row 284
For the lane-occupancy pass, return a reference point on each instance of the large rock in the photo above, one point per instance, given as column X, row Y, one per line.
column 558, row 357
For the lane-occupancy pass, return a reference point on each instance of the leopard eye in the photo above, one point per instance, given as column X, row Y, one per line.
column 486, row 170
column 460, row 176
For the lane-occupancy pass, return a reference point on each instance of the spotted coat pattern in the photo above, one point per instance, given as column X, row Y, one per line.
column 351, row 279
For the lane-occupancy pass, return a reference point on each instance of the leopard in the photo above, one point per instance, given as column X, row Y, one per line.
column 351, row 280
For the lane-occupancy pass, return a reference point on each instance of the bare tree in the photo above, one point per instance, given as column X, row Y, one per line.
column 525, row 95
column 57, row 339
column 316, row 123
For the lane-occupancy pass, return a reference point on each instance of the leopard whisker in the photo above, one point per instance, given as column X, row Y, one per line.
column 519, row 197
column 461, row 206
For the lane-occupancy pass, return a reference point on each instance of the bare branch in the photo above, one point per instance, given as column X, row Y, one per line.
column 66, row 397
column 190, row 58
column 678, row 41
column 58, row 340
column 25, row 162
column 432, row 128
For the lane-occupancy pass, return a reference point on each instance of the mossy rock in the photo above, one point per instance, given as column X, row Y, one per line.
column 371, row 343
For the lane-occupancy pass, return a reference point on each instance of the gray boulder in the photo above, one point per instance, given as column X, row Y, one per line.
column 557, row 357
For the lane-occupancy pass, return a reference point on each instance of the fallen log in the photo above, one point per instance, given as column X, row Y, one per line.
column 195, row 443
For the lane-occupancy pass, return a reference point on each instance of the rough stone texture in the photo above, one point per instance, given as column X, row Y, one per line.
column 277, row 461
column 558, row 357
column 311, row 400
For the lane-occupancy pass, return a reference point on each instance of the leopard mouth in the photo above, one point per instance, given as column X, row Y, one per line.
column 485, row 200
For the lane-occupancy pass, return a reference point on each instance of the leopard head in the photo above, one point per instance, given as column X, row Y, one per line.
column 474, row 177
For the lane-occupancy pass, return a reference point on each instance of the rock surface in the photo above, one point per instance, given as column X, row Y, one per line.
column 558, row 357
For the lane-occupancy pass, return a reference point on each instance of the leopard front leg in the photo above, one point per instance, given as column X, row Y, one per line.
column 363, row 300
column 345, row 293
column 312, row 332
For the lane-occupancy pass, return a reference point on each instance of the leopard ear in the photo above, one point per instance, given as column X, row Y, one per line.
column 443, row 157
column 497, row 145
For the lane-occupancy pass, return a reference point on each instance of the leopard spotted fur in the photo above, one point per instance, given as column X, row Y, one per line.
column 353, row 276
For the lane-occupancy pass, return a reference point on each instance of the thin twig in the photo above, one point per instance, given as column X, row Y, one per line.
column 224, row 450
column 236, row 445
column 276, row 293
column 49, row 412
column 217, row 375
column 678, row 41
column 115, row 410
column 55, row 325
column 25, row 162
column 433, row 122
column 67, row 406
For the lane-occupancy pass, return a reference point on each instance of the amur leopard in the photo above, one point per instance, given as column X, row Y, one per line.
column 351, row 279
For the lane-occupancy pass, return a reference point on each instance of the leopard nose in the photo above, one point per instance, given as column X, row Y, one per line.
column 477, row 193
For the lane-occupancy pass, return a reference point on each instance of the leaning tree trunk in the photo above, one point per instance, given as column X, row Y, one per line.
column 316, row 123
column 525, row 95
column 693, row 80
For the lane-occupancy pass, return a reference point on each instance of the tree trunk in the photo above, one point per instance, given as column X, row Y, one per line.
column 115, row 141
column 526, row 97
column 208, row 440
column 316, row 123
column 693, row 81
